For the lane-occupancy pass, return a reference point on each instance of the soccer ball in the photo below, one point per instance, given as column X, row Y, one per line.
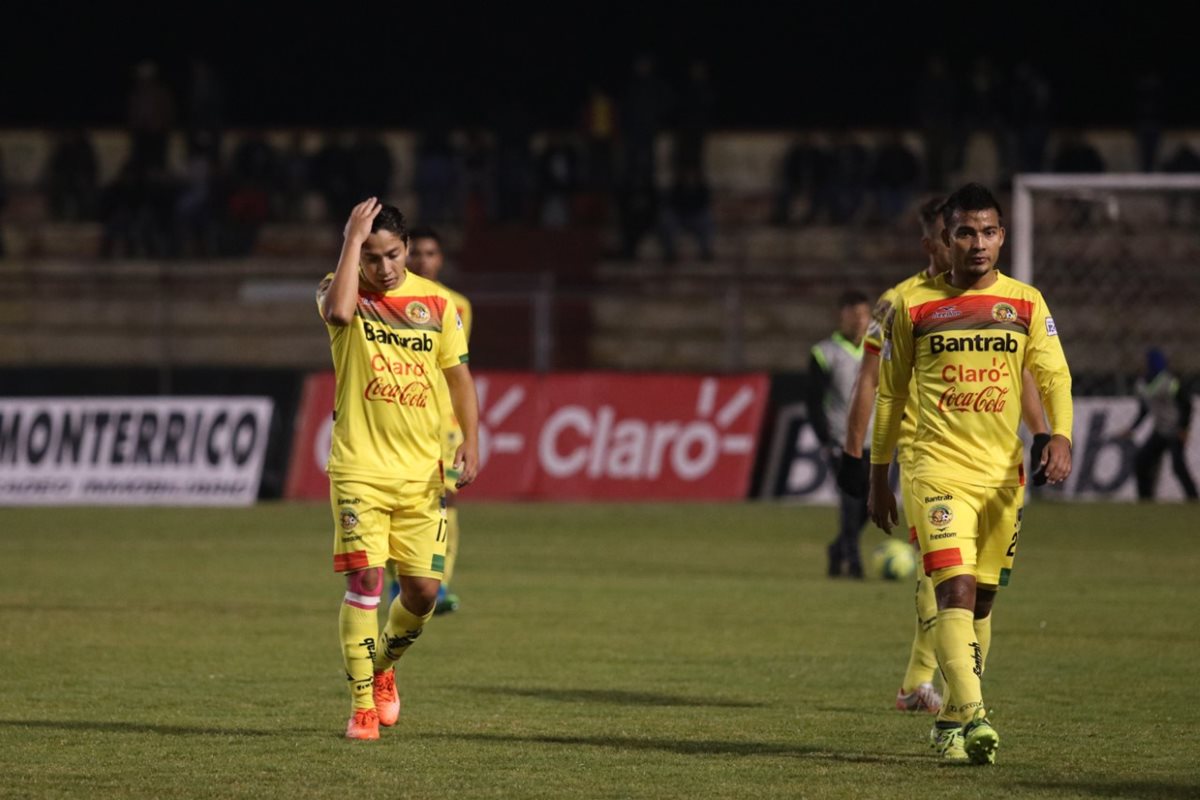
column 893, row 560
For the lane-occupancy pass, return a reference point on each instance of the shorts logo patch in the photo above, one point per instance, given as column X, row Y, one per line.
column 1051, row 328
column 1003, row 312
column 348, row 519
column 941, row 516
column 417, row 311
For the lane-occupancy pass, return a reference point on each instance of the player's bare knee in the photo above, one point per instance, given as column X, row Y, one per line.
column 956, row 592
column 365, row 581
column 419, row 595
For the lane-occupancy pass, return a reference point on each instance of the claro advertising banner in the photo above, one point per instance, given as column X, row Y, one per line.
column 585, row 436
column 132, row 450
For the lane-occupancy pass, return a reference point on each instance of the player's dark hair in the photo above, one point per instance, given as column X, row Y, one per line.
column 972, row 197
column 425, row 232
column 390, row 219
column 929, row 211
column 852, row 297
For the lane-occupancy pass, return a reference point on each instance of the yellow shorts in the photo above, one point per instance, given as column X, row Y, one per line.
column 377, row 520
column 452, row 437
column 967, row 530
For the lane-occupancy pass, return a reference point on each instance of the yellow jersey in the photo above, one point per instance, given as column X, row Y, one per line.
column 962, row 352
column 388, row 416
column 873, row 343
column 451, row 430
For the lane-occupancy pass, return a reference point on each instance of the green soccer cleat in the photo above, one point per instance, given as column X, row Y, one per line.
column 980, row 739
column 948, row 742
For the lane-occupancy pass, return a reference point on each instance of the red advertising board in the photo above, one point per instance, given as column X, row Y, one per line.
column 586, row 436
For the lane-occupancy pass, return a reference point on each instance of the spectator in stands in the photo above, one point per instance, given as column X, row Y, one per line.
column 688, row 210
column 71, row 177
column 695, row 118
column 371, row 166
column 151, row 117
column 514, row 162
column 124, row 209
column 1149, row 113
column 935, row 115
column 478, row 178
column 248, row 205
column 647, row 105
column 1030, row 116
column 1183, row 208
column 3, row 202
column 558, row 179
column 1076, row 155
column 332, row 171
column 638, row 212
column 797, row 178
column 206, row 111
column 294, row 178
column 984, row 114
column 850, row 165
column 600, row 132
column 195, row 207
column 435, row 174
column 1166, row 400
column 895, row 178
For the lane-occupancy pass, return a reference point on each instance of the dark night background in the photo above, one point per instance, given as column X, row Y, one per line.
column 377, row 64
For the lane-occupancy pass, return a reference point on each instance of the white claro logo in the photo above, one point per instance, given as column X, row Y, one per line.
column 577, row 439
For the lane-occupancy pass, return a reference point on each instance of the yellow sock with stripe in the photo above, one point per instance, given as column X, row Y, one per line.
column 402, row 629
column 922, row 660
column 357, row 626
column 983, row 635
column 960, row 658
column 451, row 544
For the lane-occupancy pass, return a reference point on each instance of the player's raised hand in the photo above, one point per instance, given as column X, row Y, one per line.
column 466, row 461
column 358, row 227
column 881, row 504
column 1056, row 459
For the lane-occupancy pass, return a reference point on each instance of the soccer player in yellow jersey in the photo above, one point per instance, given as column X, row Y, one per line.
column 962, row 343
column 391, row 332
column 425, row 258
column 917, row 692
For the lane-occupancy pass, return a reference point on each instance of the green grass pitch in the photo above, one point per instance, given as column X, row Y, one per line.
column 640, row 651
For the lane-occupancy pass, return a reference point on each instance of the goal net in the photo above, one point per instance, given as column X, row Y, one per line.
column 1118, row 260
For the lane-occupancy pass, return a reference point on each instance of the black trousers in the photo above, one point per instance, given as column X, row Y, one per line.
column 852, row 518
column 1149, row 458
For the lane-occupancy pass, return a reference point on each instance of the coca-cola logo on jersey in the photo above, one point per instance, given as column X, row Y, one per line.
column 988, row 400
column 414, row 394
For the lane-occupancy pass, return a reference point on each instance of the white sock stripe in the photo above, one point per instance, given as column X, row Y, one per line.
column 363, row 599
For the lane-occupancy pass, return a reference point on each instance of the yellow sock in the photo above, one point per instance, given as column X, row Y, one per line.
column 402, row 629
column 983, row 635
column 357, row 628
column 961, row 660
column 451, row 544
column 922, row 660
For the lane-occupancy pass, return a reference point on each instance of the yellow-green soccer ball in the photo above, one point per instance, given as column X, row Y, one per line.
column 894, row 560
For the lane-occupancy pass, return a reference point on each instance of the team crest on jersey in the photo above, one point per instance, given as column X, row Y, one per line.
column 418, row 312
column 349, row 519
column 948, row 312
column 1003, row 312
column 941, row 516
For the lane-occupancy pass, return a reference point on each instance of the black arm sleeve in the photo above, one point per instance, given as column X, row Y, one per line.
column 1184, row 399
column 818, row 385
column 1143, row 410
